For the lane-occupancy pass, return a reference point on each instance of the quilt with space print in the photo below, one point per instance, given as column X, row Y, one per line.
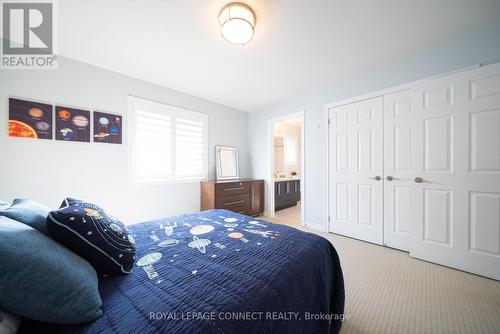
column 220, row 272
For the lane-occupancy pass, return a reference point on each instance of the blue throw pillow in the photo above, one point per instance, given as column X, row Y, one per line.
column 90, row 232
column 28, row 212
column 43, row 280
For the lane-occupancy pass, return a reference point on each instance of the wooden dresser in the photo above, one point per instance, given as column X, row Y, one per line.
column 244, row 196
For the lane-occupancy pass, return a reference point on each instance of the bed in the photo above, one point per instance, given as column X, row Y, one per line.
column 220, row 272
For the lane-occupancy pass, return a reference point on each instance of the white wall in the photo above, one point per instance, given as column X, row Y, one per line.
column 48, row 170
column 478, row 47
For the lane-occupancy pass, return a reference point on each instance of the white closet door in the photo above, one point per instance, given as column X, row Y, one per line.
column 356, row 170
column 399, row 170
column 457, row 153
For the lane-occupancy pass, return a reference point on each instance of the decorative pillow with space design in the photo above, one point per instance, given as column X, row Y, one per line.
column 90, row 232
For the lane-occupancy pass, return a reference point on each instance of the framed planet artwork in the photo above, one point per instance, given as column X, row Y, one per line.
column 107, row 128
column 72, row 124
column 28, row 119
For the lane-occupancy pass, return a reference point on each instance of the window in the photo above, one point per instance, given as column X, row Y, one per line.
column 290, row 151
column 167, row 143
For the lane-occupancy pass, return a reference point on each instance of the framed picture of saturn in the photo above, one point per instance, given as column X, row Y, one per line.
column 29, row 119
column 72, row 124
column 107, row 128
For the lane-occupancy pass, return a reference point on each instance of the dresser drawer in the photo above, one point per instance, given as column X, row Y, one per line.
column 239, row 209
column 231, row 188
column 232, row 201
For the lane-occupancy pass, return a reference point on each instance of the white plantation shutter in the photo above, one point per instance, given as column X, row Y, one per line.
column 167, row 143
column 189, row 145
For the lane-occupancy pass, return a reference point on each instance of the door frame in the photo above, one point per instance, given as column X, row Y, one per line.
column 270, row 212
column 370, row 95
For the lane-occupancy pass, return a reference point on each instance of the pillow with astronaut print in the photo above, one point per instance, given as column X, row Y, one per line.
column 101, row 239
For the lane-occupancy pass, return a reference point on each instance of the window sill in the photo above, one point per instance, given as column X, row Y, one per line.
column 164, row 182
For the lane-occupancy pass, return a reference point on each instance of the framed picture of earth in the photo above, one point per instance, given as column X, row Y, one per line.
column 29, row 119
column 107, row 128
column 72, row 124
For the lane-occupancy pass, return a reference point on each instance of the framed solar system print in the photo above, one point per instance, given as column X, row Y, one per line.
column 107, row 128
column 72, row 124
column 29, row 119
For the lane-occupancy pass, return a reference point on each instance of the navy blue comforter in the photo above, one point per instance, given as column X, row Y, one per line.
column 220, row 272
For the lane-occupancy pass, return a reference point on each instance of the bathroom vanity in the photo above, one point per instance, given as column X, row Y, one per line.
column 286, row 193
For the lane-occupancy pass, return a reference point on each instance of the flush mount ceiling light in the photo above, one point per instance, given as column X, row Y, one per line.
column 237, row 22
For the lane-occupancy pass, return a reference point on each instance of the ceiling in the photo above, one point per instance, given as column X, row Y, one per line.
column 297, row 44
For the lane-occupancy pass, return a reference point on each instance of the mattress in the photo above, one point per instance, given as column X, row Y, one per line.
column 220, row 272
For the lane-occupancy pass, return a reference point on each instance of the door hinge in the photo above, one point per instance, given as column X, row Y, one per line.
column 329, row 122
column 328, row 218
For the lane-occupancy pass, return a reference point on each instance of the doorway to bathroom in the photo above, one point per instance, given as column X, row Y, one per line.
column 286, row 181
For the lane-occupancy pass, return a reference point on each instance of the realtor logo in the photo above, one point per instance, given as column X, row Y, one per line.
column 28, row 34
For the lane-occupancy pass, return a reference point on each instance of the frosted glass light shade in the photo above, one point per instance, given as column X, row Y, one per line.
column 237, row 22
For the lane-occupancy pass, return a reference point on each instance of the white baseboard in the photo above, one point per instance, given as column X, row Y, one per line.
column 267, row 213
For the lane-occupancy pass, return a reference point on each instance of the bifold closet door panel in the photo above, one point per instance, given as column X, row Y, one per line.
column 399, row 170
column 456, row 216
column 356, row 170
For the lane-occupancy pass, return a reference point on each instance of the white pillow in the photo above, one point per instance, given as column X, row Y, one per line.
column 9, row 323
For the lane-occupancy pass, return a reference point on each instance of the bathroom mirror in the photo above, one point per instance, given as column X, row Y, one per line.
column 226, row 158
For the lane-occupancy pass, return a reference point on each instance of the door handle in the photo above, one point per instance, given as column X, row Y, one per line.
column 376, row 178
column 391, row 178
column 419, row 179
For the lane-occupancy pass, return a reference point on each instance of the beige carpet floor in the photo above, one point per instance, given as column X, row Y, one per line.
column 387, row 292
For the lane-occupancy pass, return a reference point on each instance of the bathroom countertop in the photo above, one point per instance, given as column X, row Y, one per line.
column 283, row 179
